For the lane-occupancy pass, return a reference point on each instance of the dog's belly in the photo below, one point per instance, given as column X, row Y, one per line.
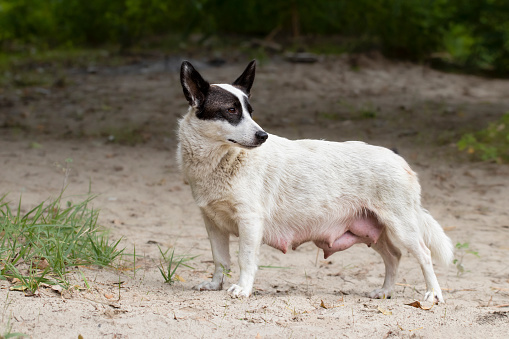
column 365, row 230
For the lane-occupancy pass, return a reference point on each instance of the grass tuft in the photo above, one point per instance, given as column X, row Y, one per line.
column 489, row 144
column 462, row 250
column 7, row 332
column 170, row 263
column 48, row 242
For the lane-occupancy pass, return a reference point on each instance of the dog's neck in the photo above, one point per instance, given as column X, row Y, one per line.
column 202, row 157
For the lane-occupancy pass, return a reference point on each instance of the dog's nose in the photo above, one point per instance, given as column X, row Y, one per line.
column 261, row 136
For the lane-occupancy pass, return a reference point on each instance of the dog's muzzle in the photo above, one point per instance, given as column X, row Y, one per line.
column 261, row 136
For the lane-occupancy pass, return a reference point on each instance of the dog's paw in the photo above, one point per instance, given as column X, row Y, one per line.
column 208, row 286
column 237, row 291
column 380, row 293
column 433, row 297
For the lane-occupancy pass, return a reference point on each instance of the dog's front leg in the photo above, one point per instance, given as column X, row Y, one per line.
column 250, row 239
column 220, row 244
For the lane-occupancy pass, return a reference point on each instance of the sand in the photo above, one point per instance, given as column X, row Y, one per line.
column 142, row 199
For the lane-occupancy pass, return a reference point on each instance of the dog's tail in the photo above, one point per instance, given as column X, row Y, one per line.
column 436, row 240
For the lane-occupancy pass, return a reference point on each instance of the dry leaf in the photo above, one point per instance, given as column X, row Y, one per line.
column 42, row 264
column 417, row 304
column 384, row 312
column 258, row 336
column 179, row 278
column 108, row 296
column 57, row 288
column 322, row 304
column 500, row 289
column 18, row 288
column 415, row 329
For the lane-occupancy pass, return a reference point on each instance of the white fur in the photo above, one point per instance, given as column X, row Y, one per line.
column 287, row 192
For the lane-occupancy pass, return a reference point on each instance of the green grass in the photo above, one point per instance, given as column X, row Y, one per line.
column 50, row 241
column 170, row 263
column 7, row 333
column 462, row 250
column 489, row 144
column 5, row 322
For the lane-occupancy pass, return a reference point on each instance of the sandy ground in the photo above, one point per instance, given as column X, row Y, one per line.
column 416, row 110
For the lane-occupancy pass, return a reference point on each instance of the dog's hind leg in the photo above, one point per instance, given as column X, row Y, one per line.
column 423, row 255
column 391, row 255
column 220, row 244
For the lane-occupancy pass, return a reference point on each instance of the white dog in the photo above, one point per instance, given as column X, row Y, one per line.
column 267, row 189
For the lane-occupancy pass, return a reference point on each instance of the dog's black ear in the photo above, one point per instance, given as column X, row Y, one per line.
column 194, row 86
column 245, row 81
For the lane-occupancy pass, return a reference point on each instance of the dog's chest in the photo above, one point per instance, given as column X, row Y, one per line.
column 215, row 165
column 223, row 214
column 213, row 177
column 213, row 182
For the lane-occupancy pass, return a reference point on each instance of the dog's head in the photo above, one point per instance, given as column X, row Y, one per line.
column 223, row 111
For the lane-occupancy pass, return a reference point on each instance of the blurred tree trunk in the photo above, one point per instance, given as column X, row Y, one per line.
column 295, row 21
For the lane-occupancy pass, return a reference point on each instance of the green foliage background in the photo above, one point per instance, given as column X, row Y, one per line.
column 474, row 33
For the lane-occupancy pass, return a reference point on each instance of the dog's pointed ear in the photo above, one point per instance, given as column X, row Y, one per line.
column 245, row 81
column 194, row 86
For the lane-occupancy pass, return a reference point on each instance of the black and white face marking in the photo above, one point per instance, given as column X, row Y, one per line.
column 222, row 104
column 225, row 107
column 246, row 131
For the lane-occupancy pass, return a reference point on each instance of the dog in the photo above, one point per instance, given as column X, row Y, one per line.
column 266, row 189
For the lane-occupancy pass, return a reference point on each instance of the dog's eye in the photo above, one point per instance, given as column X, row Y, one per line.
column 232, row 110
